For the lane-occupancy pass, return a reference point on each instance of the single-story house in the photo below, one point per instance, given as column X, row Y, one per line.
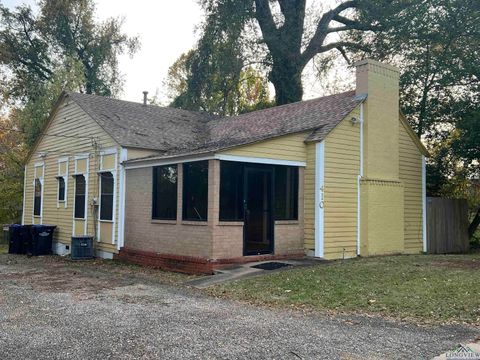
column 334, row 177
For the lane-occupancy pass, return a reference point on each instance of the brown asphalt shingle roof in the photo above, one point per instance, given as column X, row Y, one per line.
column 175, row 132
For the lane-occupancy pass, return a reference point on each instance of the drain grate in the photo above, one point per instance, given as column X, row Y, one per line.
column 271, row 265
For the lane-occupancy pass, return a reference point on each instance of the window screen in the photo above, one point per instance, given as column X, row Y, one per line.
column 164, row 194
column 286, row 193
column 231, row 191
column 80, row 196
column 106, row 196
column 195, row 191
column 37, row 203
column 61, row 189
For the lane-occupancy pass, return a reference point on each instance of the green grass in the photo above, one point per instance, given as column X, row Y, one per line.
column 425, row 288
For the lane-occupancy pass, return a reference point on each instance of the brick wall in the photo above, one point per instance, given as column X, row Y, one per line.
column 161, row 236
column 152, row 241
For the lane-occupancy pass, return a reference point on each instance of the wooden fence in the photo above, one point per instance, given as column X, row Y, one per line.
column 447, row 226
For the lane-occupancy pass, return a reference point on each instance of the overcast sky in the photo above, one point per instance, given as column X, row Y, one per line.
column 166, row 30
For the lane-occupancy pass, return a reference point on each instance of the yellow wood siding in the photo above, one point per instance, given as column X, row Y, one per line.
column 411, row 176
column 289, row 147
column 133, row 153
column 70, row 120
column 342, row 167
column 309, row 201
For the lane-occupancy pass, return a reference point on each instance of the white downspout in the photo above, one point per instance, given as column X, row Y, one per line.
column 359, row 178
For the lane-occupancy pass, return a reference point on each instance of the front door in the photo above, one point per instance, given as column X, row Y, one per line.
column 258, row 193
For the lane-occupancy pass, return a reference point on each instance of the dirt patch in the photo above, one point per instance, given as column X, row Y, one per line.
column 81, row 278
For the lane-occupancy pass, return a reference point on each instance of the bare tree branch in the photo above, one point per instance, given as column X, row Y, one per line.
column 315, row 45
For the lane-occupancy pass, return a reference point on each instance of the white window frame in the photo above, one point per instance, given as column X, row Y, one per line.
column 42, row 183
column 64, row 176
column 86, row 175
column 106, row 152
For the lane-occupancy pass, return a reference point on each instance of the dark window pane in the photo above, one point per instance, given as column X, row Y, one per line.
column 106, row 196
column 231, row 191
column 164, row 194
column 61, row 189
column 195, row 191
column 286, row 193
column 37, row 203
column 80, row 196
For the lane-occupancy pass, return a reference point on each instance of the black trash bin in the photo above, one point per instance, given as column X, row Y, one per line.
column 41, row 240
column 19, row 238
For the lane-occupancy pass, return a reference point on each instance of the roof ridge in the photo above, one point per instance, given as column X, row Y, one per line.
column 288, row 105
column 110, row 98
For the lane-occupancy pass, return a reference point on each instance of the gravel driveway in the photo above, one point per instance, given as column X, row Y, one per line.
column 51, row 309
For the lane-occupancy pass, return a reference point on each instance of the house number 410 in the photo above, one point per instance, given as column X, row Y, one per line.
column 321, row 204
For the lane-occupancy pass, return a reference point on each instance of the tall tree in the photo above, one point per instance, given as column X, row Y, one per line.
column 278, row 36
column 437, row 50
column 221, row 94
column 62, row 46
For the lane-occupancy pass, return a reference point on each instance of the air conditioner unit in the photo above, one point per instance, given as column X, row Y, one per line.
column 82, row 248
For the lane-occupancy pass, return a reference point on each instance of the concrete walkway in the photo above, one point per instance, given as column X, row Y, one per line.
column 247, row 270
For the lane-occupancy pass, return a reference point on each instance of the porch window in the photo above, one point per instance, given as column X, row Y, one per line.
column 61, row 189
column 286, row 193
column 80, row 189
column 195, row 191
column 164, row 201
column 37, row 203
column 106, row 196
column 231, row 191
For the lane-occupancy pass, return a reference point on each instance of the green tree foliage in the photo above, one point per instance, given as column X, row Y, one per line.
column 12, row 153
column 221, row 94
column 437, row 51
column 279, row 38
column 62, row 47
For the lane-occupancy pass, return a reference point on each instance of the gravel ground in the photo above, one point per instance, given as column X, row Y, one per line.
column 50, row 309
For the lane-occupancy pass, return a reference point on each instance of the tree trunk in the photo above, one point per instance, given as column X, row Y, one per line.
column 287, row 81
column 474, row 224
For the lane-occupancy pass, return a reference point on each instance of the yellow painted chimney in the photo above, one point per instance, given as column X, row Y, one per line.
column 381, row 148
column 382, row 193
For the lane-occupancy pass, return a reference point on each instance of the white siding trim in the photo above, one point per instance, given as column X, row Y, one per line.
column 108, row 151
column 319, row 198
column 24, row 193
column 122, row 189
column 424, row 205
column 139, row 164
column 114, row 205
column 259, row 160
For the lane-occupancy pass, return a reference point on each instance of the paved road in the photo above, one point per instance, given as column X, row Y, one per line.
column 52, row 311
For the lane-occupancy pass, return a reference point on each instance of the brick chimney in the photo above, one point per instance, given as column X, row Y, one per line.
column 380, row 82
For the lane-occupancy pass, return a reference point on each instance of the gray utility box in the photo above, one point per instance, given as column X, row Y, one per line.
column 82, row 248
